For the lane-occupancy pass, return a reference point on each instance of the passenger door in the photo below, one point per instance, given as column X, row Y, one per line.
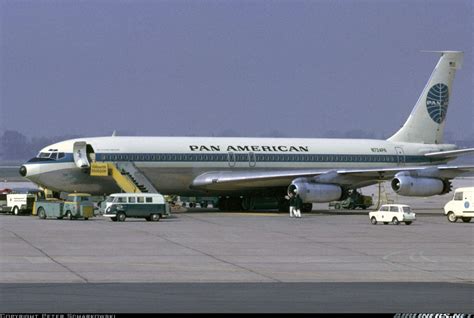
column 252, row 159
column 400, row 156
column 231, row 159
column 80, row 154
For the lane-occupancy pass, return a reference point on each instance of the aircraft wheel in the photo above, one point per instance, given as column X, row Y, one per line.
column 452, row 217
column 373, row 220
column 466, row 219
column 307, row 207
column 283, row 205
column 248, row 203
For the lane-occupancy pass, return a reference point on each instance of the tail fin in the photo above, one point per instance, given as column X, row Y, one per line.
column 426, row 121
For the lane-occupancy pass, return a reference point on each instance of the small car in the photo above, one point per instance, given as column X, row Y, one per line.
column 394, row 213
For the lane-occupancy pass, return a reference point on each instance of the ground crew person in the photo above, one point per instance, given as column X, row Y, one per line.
column 292, row 204
column 298, row 205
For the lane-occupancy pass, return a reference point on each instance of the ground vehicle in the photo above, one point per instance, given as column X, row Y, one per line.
column 21, row 200
column 150, row 206
column 355, row 200
column 204, row 202
column 461, row 206
column 3, row 197
column 77, row 205
column 394, row 213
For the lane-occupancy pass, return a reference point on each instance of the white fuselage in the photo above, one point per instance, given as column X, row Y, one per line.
column 172, row 163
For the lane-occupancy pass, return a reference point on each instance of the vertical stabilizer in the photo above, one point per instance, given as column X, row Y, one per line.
column 427, row 119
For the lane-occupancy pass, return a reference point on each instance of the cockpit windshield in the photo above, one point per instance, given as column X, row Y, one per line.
column 44, row 155
column 54, row 155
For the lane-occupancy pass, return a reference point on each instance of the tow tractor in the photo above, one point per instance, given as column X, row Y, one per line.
column 76, row 206
column 355, row 200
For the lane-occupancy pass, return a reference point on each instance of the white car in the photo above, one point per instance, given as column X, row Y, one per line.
column 394, row 213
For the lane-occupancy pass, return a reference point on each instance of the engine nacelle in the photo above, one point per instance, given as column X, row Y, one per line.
column 418, row 187
column 316, row 192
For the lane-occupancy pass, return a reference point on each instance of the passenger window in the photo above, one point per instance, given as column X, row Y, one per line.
column 121, row 199
column 149, row 200
column 131, row 199
column 458, row 196
column 61, row 155
column 140, row 200
column 394, row 209
column 384, row 208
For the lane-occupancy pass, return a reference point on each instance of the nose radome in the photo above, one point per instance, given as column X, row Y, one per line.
column 23, row 171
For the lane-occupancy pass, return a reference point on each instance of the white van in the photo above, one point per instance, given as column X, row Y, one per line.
column 461, row 206
column 18, row 202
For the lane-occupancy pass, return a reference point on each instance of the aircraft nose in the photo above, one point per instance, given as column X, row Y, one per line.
column 23, row 171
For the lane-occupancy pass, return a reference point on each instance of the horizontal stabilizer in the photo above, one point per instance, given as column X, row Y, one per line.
column 450, row 153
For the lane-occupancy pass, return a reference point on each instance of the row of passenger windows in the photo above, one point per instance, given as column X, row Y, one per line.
column 133, row 199
column 257, row 157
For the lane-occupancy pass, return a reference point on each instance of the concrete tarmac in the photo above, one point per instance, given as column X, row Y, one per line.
column 238, row 297
column 210, row 261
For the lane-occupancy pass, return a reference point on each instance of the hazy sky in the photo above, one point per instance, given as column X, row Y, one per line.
column 206, row 67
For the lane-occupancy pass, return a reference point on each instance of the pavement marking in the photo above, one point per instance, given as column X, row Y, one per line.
column 211, row 256
column 48, row 256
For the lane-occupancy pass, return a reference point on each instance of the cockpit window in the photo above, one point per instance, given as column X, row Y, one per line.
column 55, row 155
column 44, row 155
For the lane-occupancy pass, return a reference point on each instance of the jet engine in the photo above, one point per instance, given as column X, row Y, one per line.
column 419, row 187
column 316, row 192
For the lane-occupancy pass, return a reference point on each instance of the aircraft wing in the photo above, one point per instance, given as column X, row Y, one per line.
column 353, row 178
column 450, row 153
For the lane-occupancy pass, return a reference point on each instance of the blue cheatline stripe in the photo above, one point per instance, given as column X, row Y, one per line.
column 244, row 157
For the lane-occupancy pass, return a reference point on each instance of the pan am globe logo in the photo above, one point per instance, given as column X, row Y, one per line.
column 437, row 102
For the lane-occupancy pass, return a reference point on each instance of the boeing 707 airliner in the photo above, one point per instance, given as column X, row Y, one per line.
column 242, row 171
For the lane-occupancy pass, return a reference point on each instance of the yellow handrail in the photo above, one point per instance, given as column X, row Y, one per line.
column 102, row 169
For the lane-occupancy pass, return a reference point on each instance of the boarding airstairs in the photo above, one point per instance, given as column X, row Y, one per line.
column 126, row 175
column 138, row 178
